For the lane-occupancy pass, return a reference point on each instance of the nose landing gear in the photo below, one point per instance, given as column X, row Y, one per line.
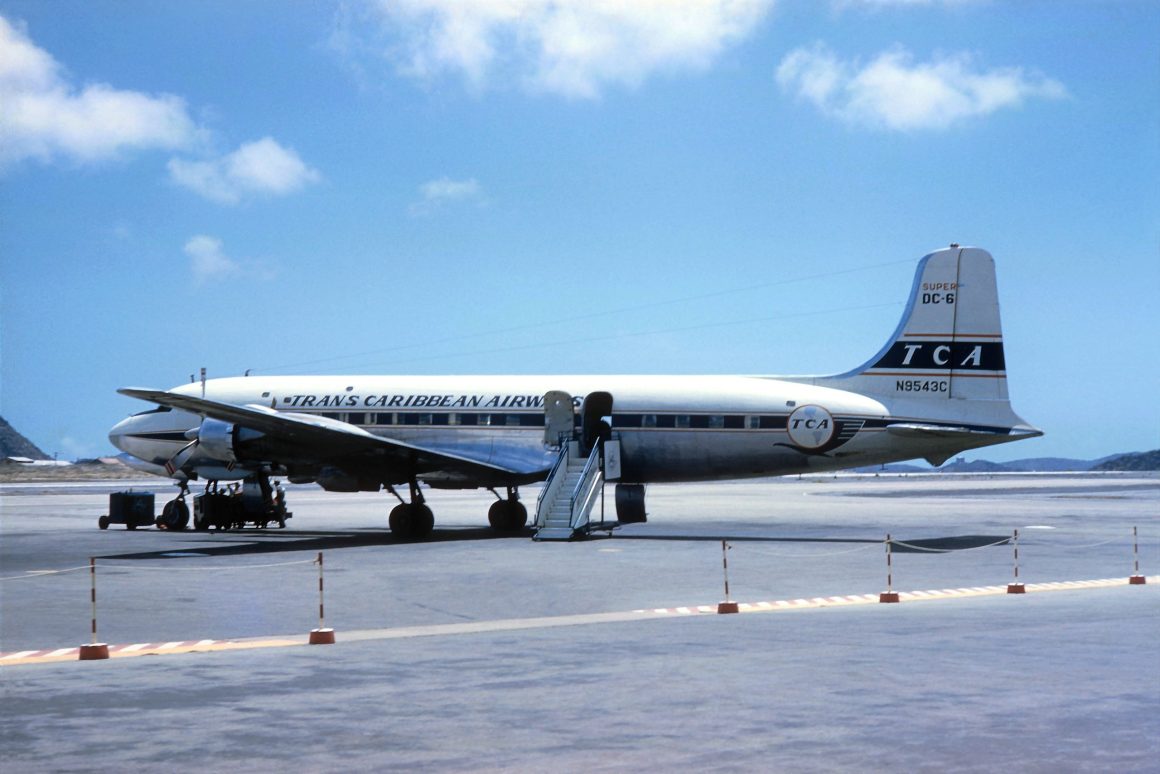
column 175, row 514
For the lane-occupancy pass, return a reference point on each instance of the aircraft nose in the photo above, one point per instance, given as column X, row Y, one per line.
column 118, row 432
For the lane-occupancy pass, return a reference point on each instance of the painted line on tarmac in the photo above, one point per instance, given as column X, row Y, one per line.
column 904, row 596
column 547, row 622
column 146, row 649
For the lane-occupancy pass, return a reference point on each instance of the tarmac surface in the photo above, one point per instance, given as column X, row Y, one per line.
column 483, row 653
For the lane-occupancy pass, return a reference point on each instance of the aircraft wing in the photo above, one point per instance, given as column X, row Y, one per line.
column 324, row 440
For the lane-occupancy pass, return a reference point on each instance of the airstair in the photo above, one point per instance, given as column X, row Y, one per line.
column 569, row 493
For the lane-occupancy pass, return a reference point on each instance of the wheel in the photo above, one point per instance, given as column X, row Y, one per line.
column 400, row 519
column 507, row 515
column 175, row 515
column 103, row 522
column 424, row 521
column 411, row 521
column 200, row 520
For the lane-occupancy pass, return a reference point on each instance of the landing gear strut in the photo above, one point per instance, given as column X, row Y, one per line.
column 175, row 514
column 508, row 515
column 411, row 520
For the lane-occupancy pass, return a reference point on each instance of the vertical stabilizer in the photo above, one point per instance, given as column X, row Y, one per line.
column 949, row 344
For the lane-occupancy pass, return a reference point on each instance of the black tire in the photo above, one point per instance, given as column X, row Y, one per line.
column 507, row 515
column 175, row 515
column 410, row 521
column 103, row 522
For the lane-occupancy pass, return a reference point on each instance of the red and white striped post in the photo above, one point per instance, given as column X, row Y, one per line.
column 94, row 651
column 890, row 595
column 1136, row 579
column 1015, row 587
column 321, row 635
column 727, row 606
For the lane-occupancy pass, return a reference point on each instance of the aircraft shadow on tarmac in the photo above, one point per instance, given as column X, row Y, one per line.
column 244, row 543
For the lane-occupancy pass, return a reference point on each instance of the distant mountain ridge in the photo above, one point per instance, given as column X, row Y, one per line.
column 1139, row 461
column 1133, row 461
column 13, row 444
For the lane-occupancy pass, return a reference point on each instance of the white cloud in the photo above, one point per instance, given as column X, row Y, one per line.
column 207, row 260
column 568, row 47
column 444, row 190
column 879, row 4
column 894, row 92
column 43, row 116
column 209, row 263
column 258, row 168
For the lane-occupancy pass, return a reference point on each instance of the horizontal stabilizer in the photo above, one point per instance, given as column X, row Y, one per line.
column 911, row 430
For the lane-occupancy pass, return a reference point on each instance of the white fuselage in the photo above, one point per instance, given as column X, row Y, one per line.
column 671, row 428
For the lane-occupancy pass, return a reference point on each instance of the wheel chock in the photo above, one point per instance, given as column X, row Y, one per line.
column 322, row 636
column 727, row 607
column 97, row 651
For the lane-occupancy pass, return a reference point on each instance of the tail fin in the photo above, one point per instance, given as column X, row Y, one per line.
column 949, row 344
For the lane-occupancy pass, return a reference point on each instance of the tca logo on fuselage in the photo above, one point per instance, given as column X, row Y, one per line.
column 810, row 427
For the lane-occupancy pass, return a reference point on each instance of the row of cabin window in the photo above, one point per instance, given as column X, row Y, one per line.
column 678, row 421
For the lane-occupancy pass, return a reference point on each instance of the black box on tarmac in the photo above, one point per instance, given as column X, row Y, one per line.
column 133, row 509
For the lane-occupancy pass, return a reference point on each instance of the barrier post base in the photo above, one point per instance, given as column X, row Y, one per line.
column 888, row 596
column 322, row 636
column 1016, row 588
column 1137, row 580
column 95, row 652
column 727, row 607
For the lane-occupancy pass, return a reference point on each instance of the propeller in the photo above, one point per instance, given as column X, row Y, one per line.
column 172, row 465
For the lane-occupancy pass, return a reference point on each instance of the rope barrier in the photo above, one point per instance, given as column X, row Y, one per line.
column 1101, row 543
column 913, row 547
column 43, row 573
column 218, row 568
column 768, row 552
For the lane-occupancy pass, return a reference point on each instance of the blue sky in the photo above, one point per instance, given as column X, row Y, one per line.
column 526, row 186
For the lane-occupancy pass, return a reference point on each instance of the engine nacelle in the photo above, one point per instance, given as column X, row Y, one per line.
column 338, row 480
column 224, row 441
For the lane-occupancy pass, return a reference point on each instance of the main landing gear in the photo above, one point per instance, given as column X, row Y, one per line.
column 411, row 520
column 414, row 520
column 508, row 515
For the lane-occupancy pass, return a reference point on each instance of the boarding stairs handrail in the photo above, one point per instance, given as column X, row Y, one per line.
column 587, row 488
column 549, row 492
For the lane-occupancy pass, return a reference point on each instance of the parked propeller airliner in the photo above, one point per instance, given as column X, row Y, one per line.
column 937, row 388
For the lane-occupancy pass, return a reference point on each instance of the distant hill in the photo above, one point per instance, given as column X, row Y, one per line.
column 1143, row 461
column 13, row 444
column 1149, row 460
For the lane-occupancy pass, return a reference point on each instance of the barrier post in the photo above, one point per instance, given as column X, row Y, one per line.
column 890, row 595
column 321, row 635
column 1016, row 587
column 94, row 651
column 1136, row 578
column 727, row 606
